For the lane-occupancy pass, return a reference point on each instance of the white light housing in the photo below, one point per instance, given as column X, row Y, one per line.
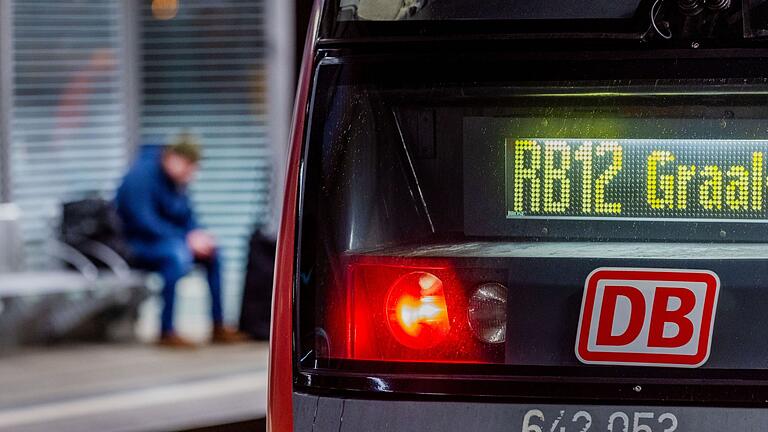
column 488, row 312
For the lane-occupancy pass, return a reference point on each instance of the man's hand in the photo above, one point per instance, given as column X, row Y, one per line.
column 201, row 244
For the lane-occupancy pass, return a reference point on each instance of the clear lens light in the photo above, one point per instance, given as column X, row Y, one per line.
column 488, row 312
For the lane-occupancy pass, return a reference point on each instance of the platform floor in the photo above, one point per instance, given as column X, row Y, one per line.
column 135, row 387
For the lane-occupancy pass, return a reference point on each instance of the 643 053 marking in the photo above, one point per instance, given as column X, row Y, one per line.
column 583, row 420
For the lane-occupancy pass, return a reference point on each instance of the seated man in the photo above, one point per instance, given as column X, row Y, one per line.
column 161, row 229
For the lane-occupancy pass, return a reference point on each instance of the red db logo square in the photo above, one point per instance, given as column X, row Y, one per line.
column 647, row 317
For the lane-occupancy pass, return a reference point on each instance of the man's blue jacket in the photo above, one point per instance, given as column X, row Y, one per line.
column 152, row 207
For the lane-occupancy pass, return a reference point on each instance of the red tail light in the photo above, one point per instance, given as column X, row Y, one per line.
column 401, row 309
column 417, row 311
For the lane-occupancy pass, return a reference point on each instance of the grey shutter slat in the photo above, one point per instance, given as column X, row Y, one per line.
column 203, row 72
column 68, row 136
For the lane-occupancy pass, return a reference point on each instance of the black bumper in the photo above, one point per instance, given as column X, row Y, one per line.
column 319, row 414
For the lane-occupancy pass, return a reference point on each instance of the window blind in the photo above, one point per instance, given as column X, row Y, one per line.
column 68, row 137
column 203, row 73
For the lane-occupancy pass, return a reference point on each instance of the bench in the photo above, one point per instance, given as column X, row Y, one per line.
column 73, row 298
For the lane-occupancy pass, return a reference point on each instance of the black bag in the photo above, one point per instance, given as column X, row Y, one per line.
column 92, row 219
column 257, row 293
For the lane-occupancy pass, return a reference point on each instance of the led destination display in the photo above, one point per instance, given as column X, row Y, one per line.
column 636, row 179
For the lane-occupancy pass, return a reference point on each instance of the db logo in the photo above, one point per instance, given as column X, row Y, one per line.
column 647, row 317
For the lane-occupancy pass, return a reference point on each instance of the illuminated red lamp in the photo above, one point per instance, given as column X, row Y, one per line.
column 416, row 310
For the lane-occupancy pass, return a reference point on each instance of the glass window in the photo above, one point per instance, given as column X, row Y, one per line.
column 481, row 171
column 436, row 10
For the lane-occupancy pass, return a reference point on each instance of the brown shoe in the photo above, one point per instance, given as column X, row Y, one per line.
column 173, row 340
column 225, row 335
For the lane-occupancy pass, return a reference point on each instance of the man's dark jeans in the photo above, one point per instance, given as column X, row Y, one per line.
column 173, row 259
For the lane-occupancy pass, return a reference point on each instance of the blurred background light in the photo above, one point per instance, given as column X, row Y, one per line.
column 165, row 9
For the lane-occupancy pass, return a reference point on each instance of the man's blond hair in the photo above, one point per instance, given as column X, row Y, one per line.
column 186, row 146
